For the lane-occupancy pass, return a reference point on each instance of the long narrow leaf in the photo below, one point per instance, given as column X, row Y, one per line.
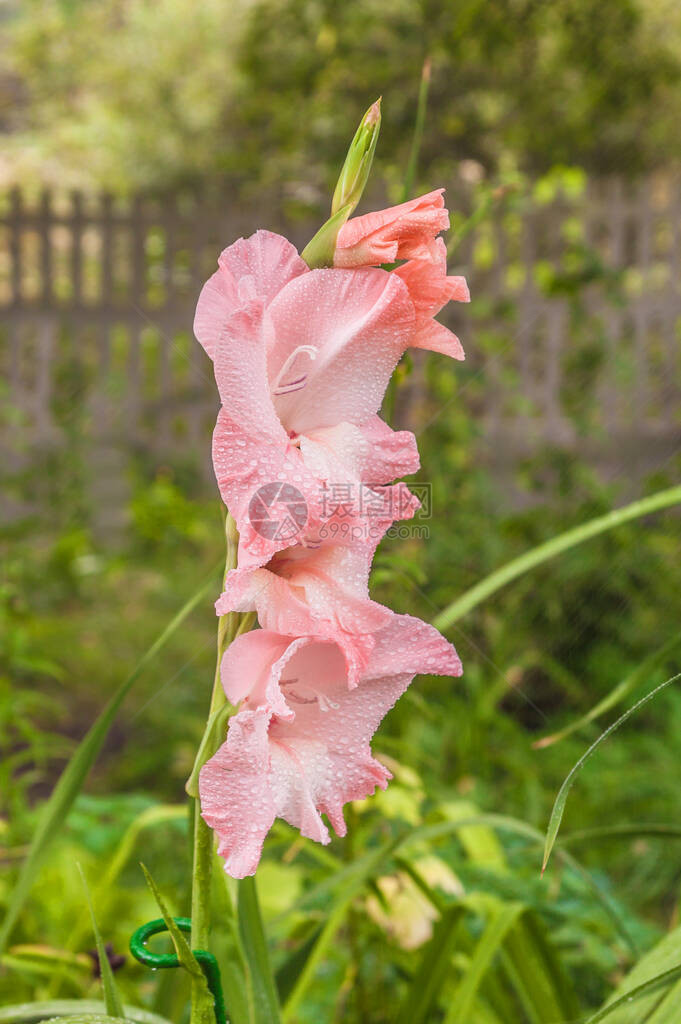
column 651, row 830
column 556, row 546
column 629, row 683
column 76, row 771
column 112, row 999
column 646, row 988
column 431, row 833
column 254, row 944
column 540, row 982
column 33, row 1013
column 487, row 948
column 433, row 970
column 561, row 799
column 227, row 946
column 202, row 1000
column 353, row 884
column 417, row 137
column 633, row 1003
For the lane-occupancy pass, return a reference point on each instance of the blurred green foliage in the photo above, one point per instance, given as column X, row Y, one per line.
column 169, row 94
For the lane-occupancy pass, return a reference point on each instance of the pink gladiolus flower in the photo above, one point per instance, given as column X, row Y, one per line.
column 302, row 359
column 318, row 590
column 300, row 745
column 404, row 232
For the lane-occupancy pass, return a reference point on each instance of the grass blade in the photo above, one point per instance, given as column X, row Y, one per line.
column 640, row 996
column 432, row 833
column 556, row 546
column 112, row 1000
column 561, row 799
column 491, row 940
column 76, row 771
column 202, row 999
column 646, row 988
column 617, row 694
column 354, row 880
column 417, row 137
column 649, row 829
column 255, row 948
column 105, row 889
column 433, row 970
column 536, row 972
column 33, row 1013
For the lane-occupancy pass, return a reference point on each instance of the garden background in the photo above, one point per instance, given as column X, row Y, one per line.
column 138, row 140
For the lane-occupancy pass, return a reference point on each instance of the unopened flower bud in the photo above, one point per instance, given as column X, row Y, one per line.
column 353, row 177
column 355, row 172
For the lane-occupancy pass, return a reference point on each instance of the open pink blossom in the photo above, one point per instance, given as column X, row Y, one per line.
column 404, row 232
column 302, row 359
column 299, row 746
column 315, row 589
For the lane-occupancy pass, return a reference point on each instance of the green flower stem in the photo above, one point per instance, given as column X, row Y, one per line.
column 229, row 626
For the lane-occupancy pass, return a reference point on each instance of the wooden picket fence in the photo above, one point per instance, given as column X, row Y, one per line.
column 572, row 338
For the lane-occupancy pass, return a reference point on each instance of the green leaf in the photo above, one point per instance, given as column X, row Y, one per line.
column 33, row 1013
column 556, row 546
column 433, row 970
column 431, row 833
column 651, row 830
column 202, row 999
column 112, row 999
column 417, row 137
column 641, row 995
column 105, row 889
column 227, row 946
column 255, row 949
column 76, row 771
column 352, row 880
column 617, row 694
column 87, row 1018
column 561, row 799
column 629, row 1000
column 541, row 984
column 502, row 920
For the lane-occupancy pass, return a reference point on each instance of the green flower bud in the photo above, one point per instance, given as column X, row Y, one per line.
column 357, row 166
column 353, row 177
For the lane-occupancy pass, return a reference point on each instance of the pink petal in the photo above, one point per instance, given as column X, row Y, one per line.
column 262, row 265
column 410, row 645
column 237, row 800
column 371, row 452
column 253, row 268
column 435, row 337
column 401, row 232
column 430, row 289
column 359, row 323
column 245, row 463
column 250, row 669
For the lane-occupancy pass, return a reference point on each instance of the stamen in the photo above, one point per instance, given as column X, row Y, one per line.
column 298, row 383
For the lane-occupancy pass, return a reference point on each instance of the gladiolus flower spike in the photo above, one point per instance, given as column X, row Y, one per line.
column 303, row 348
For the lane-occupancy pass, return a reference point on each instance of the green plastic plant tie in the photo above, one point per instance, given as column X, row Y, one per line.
column 206, row 960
